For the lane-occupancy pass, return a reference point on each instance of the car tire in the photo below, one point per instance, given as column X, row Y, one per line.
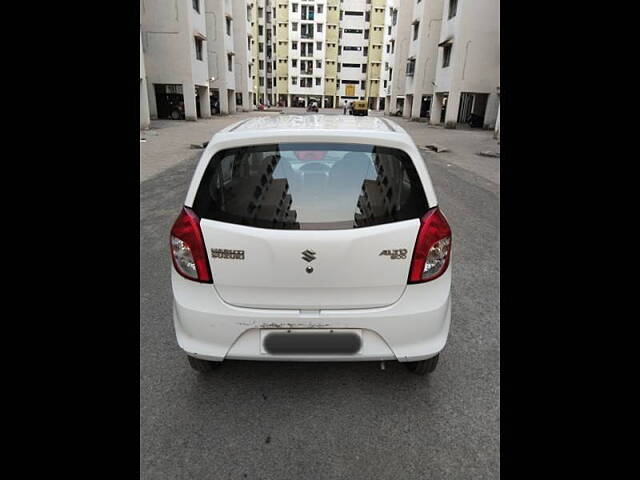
column 423, row 366
column 175, row 115
column 202, row 366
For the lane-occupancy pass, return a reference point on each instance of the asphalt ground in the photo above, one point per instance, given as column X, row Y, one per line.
column 261, row 420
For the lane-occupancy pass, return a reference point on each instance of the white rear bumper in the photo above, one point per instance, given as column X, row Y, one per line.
column 414, row 328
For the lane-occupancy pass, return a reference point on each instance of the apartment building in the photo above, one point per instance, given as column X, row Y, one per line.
column 228, row 54
column 326, row 51
column 388, row 54
column 467, row 79
column 417, row 37
column 145, row 118
column 174, row 43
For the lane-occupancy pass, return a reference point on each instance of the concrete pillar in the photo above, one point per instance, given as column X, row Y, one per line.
column 453, row 104
column 497, row 130
column 151, row 97
column 246, row 102
column 491, row 112
column 407, row 108
column 436, row 109
column 189, row 97
column 145, row 119
column 232, row 101
column 416, row 106
column 223, row 99
column 205, row 102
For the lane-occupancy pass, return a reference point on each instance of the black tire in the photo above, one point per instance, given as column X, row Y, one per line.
column 175, row 115
column 202, row 366
column 423, row 366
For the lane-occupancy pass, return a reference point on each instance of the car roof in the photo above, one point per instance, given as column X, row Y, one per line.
column 314, row 123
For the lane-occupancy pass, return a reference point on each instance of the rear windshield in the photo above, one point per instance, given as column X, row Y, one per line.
column 311, row 186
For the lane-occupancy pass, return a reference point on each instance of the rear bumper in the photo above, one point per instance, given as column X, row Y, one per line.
column 413, row 328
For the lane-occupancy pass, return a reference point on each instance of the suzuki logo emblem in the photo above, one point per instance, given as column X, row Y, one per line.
column 308, row 255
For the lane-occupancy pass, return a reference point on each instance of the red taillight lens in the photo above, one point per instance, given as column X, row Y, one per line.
column 187, row 248
column 433, row 248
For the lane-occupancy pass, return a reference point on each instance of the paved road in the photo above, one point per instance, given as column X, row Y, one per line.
column 327, row 421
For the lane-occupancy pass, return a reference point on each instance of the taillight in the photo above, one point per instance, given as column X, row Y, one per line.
column 433, row 248
column 187, row 248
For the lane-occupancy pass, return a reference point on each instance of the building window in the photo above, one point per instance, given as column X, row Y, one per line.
column 307, row 49
column 320, row 7
column 230, row 62
column 228, row 26
column 416, row 27
column 307, row 12
column 318, row 45
column 294, row 7
column 294, row 80
column 366, row 34
column 306, row 82
column 307, row 30
column 261, row 64
column 411, row 66
column 261, row 82
column 318, row 63
column 453, row 6
column 196, row 5
column 294, row 45
column 198, row 48
column 394, row 20
column 446, row 55
column 389, row 31
column 362, row 84
column 294, row 63
column 260, row 30
column 306, row 67
column 319, row 28
column 318, row 80
column 364, row 68
column 260, row 47
column 294, row 26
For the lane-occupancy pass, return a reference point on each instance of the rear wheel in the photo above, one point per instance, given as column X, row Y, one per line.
column 423, row 366
column 203, row 366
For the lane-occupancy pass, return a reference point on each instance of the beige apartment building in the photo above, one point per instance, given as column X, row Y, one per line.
column 323, row 51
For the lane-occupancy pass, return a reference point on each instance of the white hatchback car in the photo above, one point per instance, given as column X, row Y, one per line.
column 311, row 238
